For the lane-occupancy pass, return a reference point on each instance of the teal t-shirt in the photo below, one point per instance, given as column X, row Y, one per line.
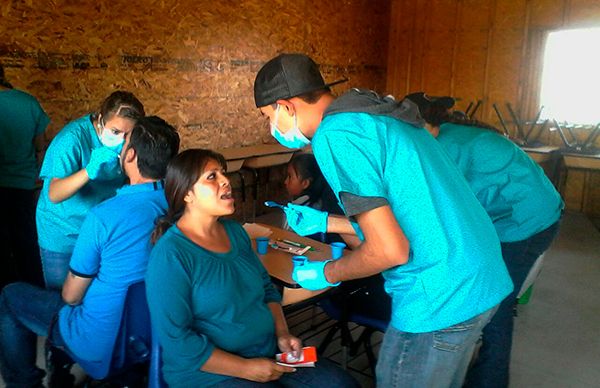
column 513, row 189
column 113, row 249
column 21, row 120
column 200, row 300
column 58, row 224
column 455, row 269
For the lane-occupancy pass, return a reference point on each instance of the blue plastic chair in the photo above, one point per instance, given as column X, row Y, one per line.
column 155, row 378
column 132, row 345
column 365, row 303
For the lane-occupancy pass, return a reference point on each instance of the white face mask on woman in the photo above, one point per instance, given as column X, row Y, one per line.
column 292, row 138
column 110, row 139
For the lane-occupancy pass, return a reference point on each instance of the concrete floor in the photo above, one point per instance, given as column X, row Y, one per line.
column 557, row 335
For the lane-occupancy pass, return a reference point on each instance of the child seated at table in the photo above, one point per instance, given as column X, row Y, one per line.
column 218, row 317
column 306, row 186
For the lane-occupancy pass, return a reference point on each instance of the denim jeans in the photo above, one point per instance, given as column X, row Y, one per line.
column 26, row 311
column 434, row 359
column 325, row 374
column 491, row 369
column 55, row 266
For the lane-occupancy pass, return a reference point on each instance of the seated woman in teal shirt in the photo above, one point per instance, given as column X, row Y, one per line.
column 217, row 314
column 81, row 169
column 524, row 206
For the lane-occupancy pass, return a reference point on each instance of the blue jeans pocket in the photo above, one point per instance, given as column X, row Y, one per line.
column 453, row 338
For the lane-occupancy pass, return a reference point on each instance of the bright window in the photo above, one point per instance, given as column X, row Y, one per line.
column 571, row 76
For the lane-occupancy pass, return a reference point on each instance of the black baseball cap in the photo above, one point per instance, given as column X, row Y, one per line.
column 424, row 101
column 287, row 76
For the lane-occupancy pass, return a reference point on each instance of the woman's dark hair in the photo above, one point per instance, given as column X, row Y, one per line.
column 183, row 172
column 121, row 104
column 458, row 117
column 306, row 167
column 437, row 115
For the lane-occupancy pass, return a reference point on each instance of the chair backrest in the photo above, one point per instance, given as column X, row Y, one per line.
column 133, row 339
column 155, row 379
column 133, row 342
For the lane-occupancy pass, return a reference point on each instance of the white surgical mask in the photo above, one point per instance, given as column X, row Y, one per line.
column 110, row 139
column 292, row 138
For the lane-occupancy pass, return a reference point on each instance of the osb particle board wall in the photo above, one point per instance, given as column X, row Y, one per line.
column 489, row 50
column 191, row 62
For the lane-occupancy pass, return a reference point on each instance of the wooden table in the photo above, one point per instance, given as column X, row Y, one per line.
column 252, row 158
column 541, row 154
column 279, row 264
column 588, row 163
column 548, row 157
column 256, row 156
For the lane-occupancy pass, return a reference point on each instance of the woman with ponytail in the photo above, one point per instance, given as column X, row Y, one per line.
column 218, row 317
column 522, row 203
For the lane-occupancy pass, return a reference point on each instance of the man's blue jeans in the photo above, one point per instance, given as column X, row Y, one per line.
column 491, row 368
column 434, row 359
column 55, row 266
column 26, row 311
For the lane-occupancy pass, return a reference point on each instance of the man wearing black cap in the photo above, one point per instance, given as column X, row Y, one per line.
column 422, row 226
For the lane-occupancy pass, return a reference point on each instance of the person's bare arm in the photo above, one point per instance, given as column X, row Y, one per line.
column 65, row 188
column 74, row 288
column 351, row 240
column 339, row 224
column 385, row 246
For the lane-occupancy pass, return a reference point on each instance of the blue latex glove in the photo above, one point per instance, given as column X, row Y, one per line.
column 103, row 164
column 305, row 220
column 311, row 275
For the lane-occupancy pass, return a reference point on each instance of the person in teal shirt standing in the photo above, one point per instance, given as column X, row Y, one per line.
column 217, row 314
column 22, row 126
column 80, row 170
column 422, row 226
column 521, row 201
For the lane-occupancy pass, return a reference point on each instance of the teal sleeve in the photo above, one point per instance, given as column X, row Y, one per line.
column 351, row 163
column 42, row 120
column 85, row 261
column 271, row 294
column 169, row 291
column 62, row 159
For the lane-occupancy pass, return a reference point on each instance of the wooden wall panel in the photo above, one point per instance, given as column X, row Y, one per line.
column 505, row 65
column 400, row 49
column 470, row 66
column 547, row 13
column 509, row 14
column 437, row 62
column 192, row 62
column 496, row 55
column 584, row 13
